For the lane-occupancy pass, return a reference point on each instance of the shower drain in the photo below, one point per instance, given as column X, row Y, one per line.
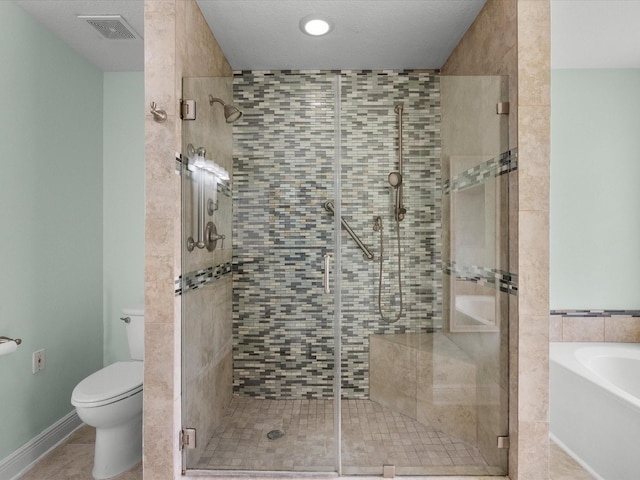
column 275, row 434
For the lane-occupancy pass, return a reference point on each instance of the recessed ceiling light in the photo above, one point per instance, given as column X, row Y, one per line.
column 315, row 26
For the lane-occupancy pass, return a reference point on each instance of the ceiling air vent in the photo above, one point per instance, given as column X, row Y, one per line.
column 111, row 27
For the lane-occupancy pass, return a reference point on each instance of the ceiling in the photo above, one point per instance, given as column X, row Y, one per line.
column 60, row 16
column 367, row 34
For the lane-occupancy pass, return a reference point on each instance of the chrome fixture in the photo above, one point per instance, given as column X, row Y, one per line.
column 211, row 237
column 377, row 227
column 502, row 108
column 231, row 113
column 187, row 109
column 399, row 212
column 275, row 434
column 207, row 233
column 327, row 266
column 7, row 340
column 395, row 178
column 212, row 206
column 330, row 207
column 159, row 116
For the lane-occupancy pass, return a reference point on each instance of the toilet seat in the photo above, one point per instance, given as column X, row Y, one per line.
column 108, row 385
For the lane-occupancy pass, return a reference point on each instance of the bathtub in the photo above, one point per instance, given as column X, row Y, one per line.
column 594, row 406
column 474, row 313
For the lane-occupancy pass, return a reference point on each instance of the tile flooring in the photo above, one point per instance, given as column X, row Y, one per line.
column 563, row 467
column 373, row 435
column 74, row 458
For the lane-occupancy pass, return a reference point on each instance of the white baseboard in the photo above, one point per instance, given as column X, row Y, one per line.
column 23, row 459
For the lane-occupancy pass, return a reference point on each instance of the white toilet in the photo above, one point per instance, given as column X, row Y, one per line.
column 111, row 401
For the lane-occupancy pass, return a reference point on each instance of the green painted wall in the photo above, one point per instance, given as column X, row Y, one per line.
column 50, row 223
column 72, row 217
column 595, row 193
column 123, row 221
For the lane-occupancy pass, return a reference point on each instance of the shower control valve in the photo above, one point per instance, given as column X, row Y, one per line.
column 212, row 236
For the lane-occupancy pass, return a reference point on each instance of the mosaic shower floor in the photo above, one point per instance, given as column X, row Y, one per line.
column 373, row 436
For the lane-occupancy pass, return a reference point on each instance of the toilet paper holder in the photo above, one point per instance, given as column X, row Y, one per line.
column 7, row 339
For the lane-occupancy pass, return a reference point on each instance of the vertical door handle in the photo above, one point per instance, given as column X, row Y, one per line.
column 327, row 265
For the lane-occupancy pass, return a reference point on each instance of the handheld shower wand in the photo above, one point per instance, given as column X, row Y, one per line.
column 395, row 180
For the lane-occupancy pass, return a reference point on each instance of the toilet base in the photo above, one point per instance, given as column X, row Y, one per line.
column 117, row 449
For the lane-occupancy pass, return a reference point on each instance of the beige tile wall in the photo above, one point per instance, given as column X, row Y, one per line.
column 178, row 43
column 533, row 262
column 594, row 329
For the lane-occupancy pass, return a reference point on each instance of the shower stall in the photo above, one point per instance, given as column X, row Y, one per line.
column 345, row 273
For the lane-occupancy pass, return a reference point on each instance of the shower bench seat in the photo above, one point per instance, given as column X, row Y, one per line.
column 427, row 377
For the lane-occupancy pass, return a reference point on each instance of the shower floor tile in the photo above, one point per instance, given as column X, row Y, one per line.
column 373, row 436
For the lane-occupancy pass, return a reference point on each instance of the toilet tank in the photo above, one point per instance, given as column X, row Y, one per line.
column 135, row 331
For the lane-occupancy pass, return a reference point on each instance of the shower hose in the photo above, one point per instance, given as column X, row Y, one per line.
column 397, row 317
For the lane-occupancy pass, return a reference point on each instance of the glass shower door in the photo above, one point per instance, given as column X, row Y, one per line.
column 420, row 394
column 478, row 284
column 301, row 352
column 206, row 281
column 258, row 346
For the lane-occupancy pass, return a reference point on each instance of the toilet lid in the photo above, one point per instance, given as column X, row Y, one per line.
column 110, row 384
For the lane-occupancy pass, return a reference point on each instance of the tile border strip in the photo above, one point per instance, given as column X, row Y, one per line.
column 200, row 278
column 504, row 163
column 596, row 313
column 499, row 279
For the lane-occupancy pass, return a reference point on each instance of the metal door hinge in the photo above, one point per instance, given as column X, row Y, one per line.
column 187, row 109
column 503, row 442
column 388, row 471
column 502, row 108
column 187, row 438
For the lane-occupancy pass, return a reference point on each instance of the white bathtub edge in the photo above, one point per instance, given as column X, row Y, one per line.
column 575, row 457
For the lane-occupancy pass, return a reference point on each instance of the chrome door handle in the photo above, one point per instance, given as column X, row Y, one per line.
column 327, row 265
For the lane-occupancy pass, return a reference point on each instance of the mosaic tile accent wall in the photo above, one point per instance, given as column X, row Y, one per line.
column 498, row 279
column 200, row 278
column 504, row 163
column 502, row 280
column 284, row 150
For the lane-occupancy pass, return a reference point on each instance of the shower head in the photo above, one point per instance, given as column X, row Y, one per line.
column 231, row 113
column 395, row 179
